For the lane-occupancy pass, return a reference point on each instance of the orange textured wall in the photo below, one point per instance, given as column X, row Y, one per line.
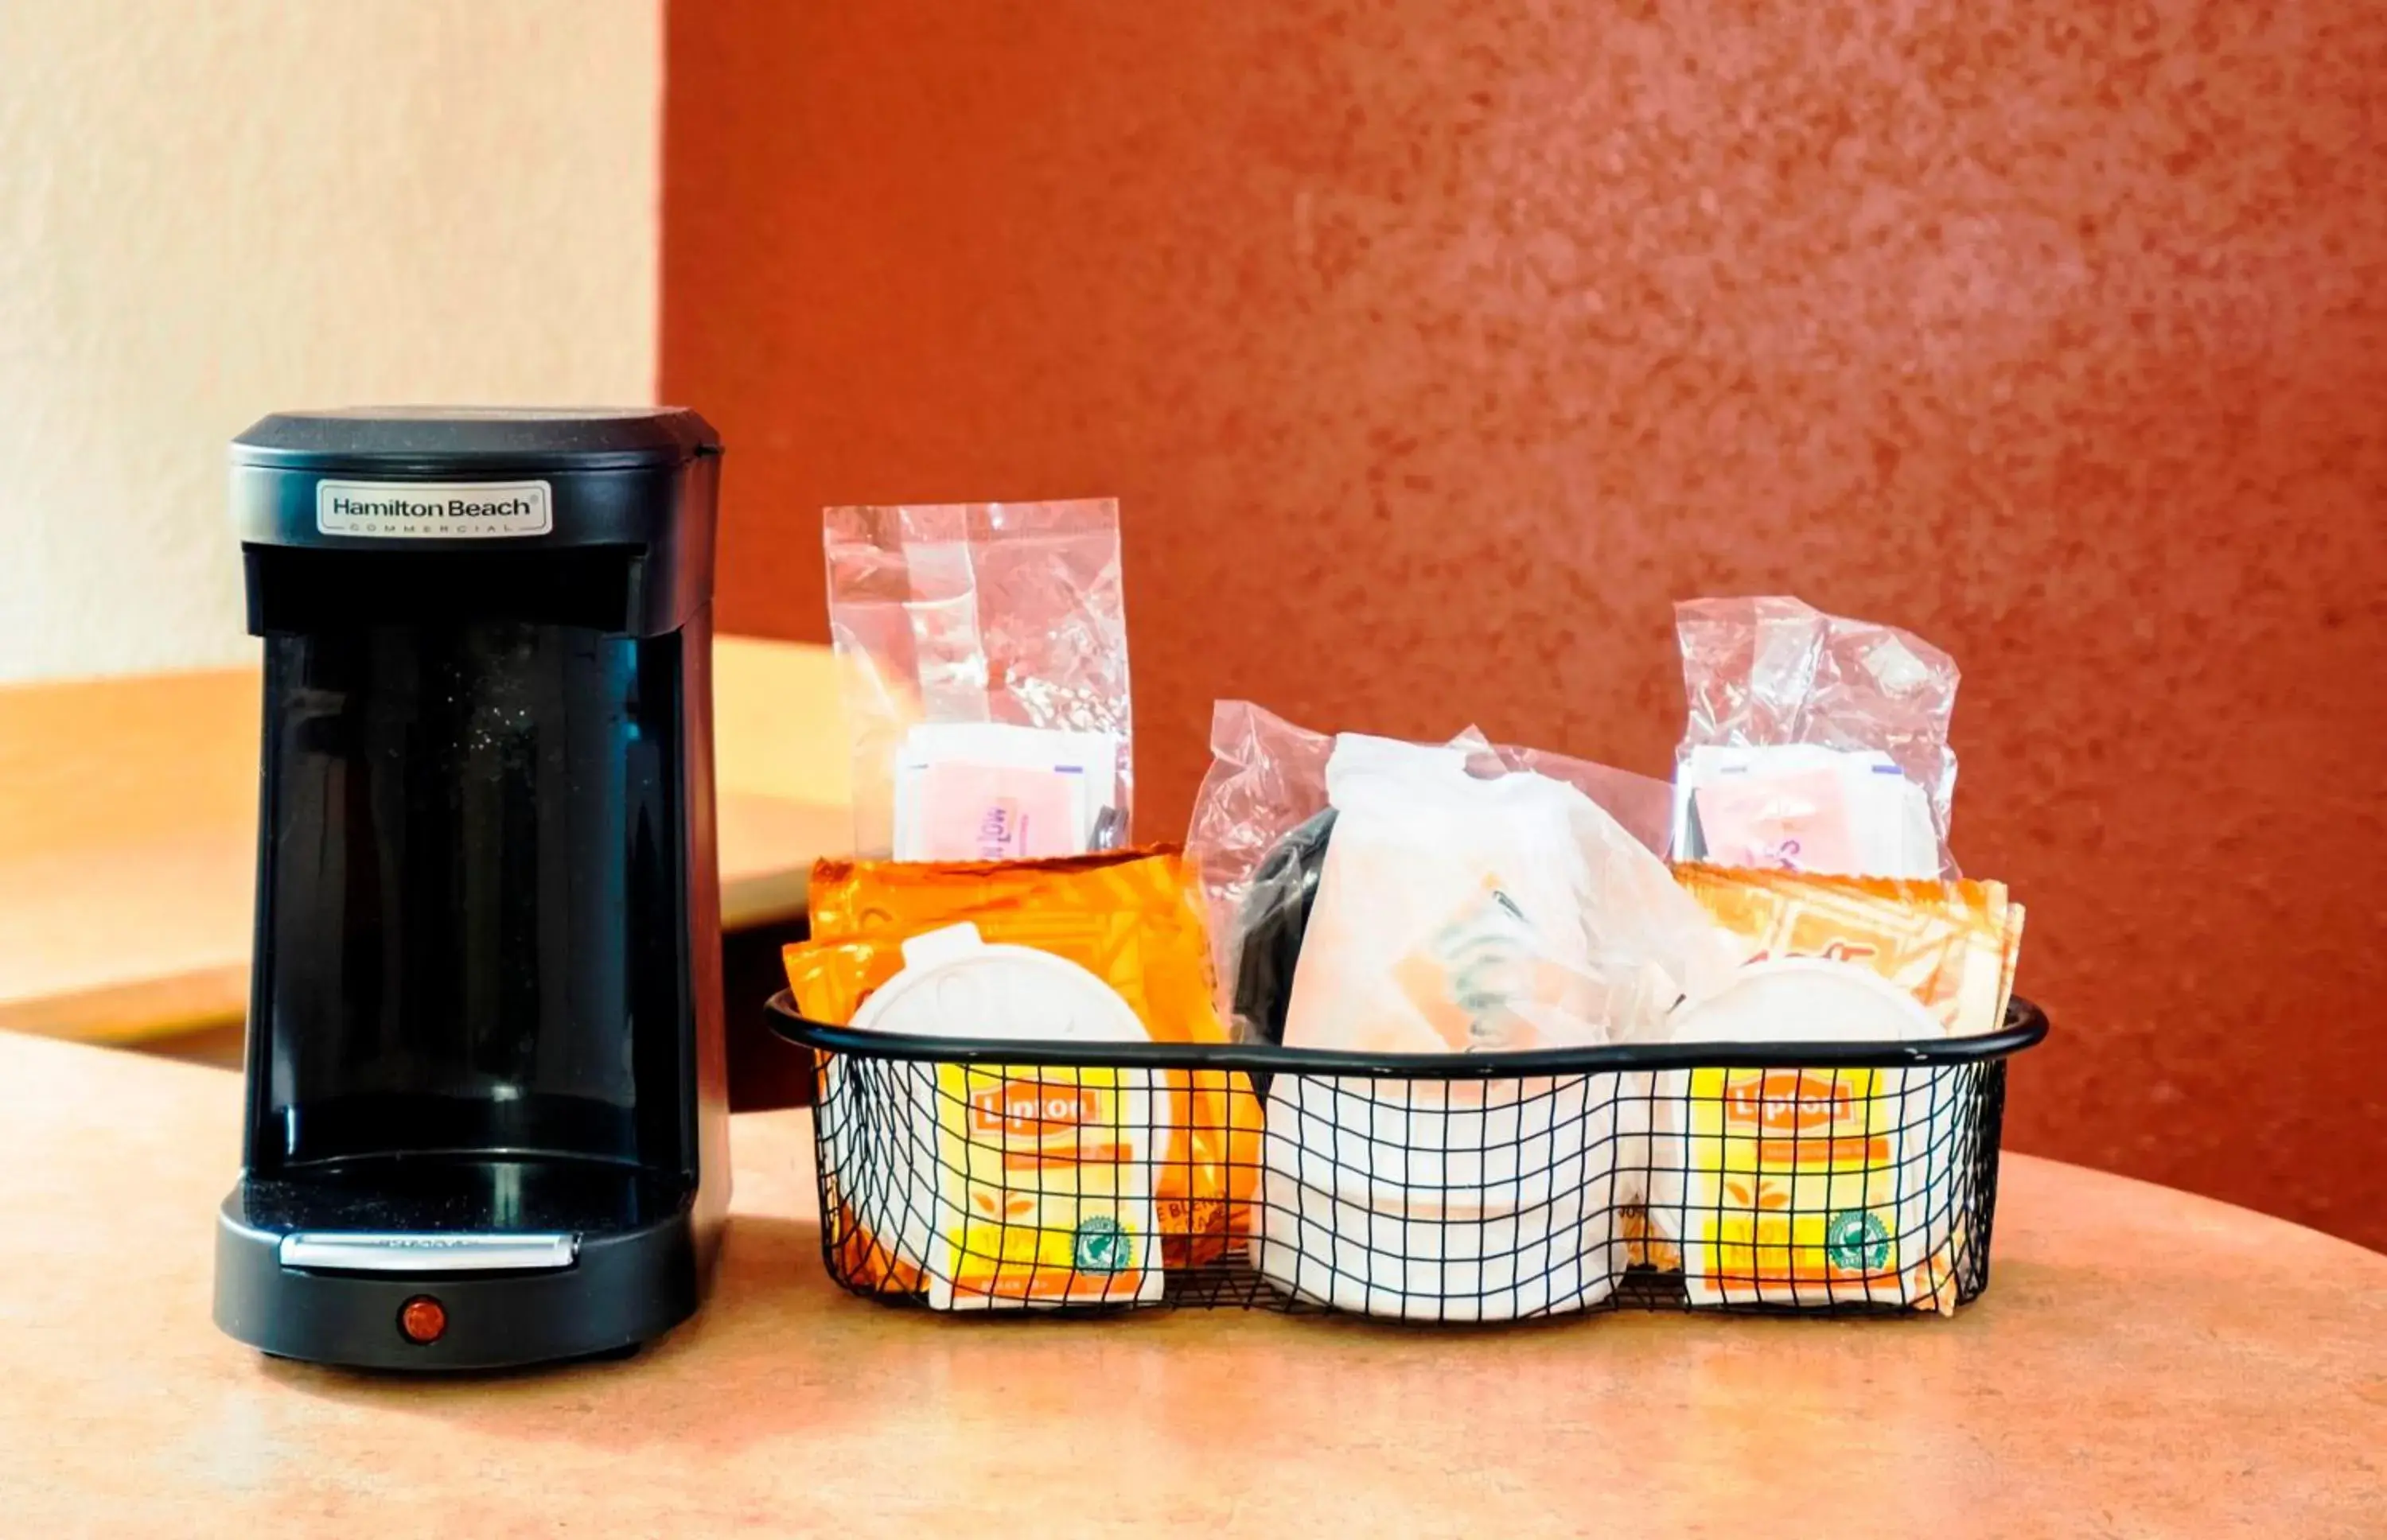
column 1434, row 348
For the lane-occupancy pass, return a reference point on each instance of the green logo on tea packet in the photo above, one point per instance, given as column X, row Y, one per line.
column 1854, row 1241
column 1102, row 1245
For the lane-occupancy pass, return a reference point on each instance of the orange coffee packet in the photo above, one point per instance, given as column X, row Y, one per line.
column 1131, row 918
column 1951, row 944
column 854, row 898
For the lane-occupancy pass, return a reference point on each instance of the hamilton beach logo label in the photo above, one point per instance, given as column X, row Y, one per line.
column 434, row 509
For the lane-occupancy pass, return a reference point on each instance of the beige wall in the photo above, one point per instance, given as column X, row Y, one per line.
column 209, row 211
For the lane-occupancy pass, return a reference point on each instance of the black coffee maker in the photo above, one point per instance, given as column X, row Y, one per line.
column 487, row 1122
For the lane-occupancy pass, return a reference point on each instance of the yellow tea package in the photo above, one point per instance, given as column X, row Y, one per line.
column 1805, row 1189
column 1053, row 1171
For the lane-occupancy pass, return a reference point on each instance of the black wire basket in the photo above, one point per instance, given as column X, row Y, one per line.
column 1812, row 1178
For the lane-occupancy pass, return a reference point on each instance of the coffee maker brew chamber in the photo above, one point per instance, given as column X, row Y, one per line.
column 485, row 1113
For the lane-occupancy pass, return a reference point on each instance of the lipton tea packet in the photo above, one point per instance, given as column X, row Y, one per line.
column 1129, row 917
column 1813, row 1186
column 1038, row 1188
column 1045, row 1188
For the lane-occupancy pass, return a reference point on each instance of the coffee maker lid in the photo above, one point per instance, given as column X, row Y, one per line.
column 402, row 441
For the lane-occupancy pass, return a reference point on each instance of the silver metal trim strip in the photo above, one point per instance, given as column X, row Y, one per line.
column 396, row 1251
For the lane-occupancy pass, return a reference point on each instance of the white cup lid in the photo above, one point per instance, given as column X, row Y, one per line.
column 1805, row 1000
column 954, row 984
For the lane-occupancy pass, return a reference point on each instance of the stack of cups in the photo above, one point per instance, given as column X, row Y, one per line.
column 1442, row 1200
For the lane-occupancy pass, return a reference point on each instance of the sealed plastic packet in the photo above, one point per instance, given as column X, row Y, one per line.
column 983, row 654
column 1814, row 742
column 1468, row 912
column 1261, row 825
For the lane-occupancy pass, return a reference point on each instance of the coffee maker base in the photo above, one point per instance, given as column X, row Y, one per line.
column 435, row 1300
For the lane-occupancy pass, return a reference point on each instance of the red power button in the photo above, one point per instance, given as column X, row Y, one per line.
column 422, row 1318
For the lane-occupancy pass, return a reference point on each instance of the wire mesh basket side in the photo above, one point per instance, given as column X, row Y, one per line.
column 970, row 1185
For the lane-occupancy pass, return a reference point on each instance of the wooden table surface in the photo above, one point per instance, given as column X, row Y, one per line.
column 2145, row 1363
column 128, row 832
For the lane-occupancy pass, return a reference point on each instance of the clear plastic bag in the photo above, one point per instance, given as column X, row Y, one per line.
column 1773, row 672
column 1384, row 898
column 1008, row 615
column 1261, row 822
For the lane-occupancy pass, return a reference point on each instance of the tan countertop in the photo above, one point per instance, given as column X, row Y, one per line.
column 2145, row 1362
column 128, row 832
